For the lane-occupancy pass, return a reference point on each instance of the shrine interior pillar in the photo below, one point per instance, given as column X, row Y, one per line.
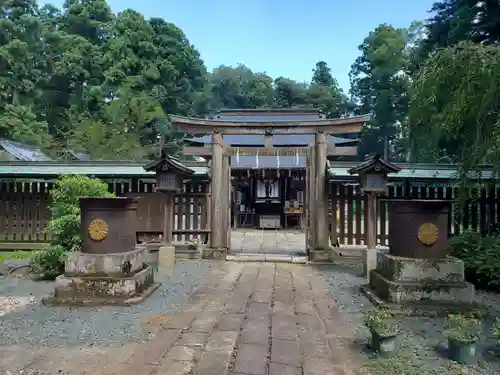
column 321, row 199
column 216, row 224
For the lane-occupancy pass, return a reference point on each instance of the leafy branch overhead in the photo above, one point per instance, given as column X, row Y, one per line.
column 86, row 79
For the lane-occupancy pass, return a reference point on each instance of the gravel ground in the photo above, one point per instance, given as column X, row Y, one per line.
column 423, row 342
column 28, row 323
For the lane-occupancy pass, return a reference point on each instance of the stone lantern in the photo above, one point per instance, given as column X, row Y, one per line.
column 170, row 175
column 373, row 182
column 110, row 268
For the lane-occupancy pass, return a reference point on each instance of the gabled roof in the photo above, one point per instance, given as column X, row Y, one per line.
column 23, row 152
column 171, row 162
column 374, row 161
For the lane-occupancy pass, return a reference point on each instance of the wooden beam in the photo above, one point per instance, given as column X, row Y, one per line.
column 264, row 125
column 265, row 151
column 347, row 128
column 205, row 151
column 341, row 151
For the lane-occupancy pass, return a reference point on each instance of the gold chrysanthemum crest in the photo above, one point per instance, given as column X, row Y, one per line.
column 98, row 229
column 428, row 233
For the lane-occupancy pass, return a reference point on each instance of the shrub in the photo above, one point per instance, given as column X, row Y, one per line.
column 48, row 263
column 64, row 227
column 481, row 257
column 379, row 320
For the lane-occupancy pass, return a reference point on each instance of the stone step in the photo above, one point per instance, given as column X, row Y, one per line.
column 256, row 257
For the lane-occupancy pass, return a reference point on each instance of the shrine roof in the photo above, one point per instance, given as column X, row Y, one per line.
column 268, row 115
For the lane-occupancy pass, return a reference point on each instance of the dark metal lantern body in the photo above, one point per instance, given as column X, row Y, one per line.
column 373, row 181
column 168, row 179
column 120, row 216
column 373, row 174
column 406, row 218
column 170, row 174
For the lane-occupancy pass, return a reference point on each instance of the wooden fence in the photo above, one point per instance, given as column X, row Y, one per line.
column 24, row 210
column 480, row 214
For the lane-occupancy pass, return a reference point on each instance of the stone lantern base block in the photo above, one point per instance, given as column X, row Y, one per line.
column 407, row 281
column 113, row 264
column 94, row 290
column 104, row 279
column 166, row 257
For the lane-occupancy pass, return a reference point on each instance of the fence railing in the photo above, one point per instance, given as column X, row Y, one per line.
column 24, row 210
column 348, row 204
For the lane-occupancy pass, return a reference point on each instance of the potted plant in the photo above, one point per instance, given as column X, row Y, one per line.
column 463, row 333
column 383, row 330
column 496, row 330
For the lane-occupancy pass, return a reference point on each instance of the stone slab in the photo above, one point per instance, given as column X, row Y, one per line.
column 441, row 309
column 422, row 291
column 103, row 290
column 111, row 265
column 166, row 258
column 446, row 270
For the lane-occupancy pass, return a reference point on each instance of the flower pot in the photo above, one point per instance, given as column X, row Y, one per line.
column 463, row 352
column 384, row 344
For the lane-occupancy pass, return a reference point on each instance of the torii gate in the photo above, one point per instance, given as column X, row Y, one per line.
column 317, row 237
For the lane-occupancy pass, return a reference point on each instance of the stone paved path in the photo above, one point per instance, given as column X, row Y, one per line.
column 268, row 241
column 250, row 319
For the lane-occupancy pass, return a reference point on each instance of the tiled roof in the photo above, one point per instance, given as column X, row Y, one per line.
column 20, row 151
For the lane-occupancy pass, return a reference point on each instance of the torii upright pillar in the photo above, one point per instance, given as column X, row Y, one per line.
column 320, row 201
column 216, row 224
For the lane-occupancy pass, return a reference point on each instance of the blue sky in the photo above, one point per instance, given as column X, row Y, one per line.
column 281, row 38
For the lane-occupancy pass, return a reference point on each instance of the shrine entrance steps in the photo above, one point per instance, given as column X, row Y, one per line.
column 268, row 246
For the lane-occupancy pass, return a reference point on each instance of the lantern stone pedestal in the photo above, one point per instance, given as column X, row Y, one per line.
column 166, row 257
column 373, row 174
column 417, row 274
column 170, row 175
column 111, row 268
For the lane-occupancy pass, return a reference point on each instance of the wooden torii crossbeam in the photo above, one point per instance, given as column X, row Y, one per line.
column 206, row 151
column 328, row 126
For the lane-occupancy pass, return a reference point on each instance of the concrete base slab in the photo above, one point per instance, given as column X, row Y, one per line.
column 424, row 308
column 100, row 301
column 103, row 288
column 274, row 258
column 166, row 257
column 110, row 265
column 398, row 269
column 369, row 257
column 422, row 291
column 216, row 254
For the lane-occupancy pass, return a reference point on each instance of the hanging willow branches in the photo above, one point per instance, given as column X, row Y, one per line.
column 456, row 105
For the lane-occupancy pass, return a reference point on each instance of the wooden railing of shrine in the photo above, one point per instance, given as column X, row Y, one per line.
column 24, row 211
column 348, row 219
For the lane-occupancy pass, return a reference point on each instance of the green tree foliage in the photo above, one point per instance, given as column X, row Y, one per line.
column 457, row 101
column 454, row 21
column 379, row 85
column 84, row 78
